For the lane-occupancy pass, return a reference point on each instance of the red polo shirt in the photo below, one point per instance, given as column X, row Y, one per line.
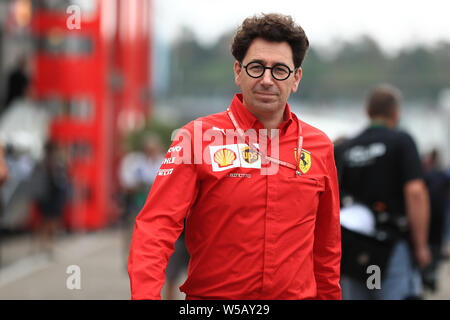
column 254, row 230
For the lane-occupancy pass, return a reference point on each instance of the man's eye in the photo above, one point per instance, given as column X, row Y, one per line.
column 256, row 68
column 280, row 70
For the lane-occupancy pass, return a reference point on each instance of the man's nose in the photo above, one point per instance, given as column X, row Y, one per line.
column 267, row 79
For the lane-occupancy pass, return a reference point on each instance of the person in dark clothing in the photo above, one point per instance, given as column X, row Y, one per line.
column 381, row 181
column 3, row 167
column 177, row 266
column 17, row 84
column 438, row 186
column 53, row 196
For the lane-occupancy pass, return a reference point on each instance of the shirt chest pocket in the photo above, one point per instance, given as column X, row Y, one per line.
column 301, row 194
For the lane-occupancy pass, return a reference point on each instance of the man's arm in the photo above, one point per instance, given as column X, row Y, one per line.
column 416, row 199
column 418, row 213
column 3, row 167
column 158, row 226
column 327, row 237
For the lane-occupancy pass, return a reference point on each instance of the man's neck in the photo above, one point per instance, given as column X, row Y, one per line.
column 382, row 122
column 271, row 122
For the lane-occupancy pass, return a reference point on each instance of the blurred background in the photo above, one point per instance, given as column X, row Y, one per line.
column 91, row 91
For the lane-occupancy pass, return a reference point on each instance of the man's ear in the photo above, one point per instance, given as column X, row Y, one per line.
column 237, row 73
column 297, row 78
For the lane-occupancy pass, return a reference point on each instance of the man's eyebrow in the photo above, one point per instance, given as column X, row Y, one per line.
column 264, row 63
column 257, row 60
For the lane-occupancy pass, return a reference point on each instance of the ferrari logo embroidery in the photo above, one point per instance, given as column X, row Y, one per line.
column 305, row 160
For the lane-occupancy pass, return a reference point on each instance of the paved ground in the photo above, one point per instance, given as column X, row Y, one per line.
column 102, row 261
column 35, row 276
column 101, row 257
column 443, row 292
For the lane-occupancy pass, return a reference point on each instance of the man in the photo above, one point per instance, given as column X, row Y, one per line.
column 438, row 185
column 137, row 172
column 381, row 170
column 3, row 167
column 260, row 196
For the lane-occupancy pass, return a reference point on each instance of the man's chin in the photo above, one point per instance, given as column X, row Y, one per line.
column 267, row 103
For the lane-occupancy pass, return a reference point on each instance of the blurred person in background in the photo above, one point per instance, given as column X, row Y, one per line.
column 447, row 224
column 137, row 172
column 257, row 227
column 24, row 130
column 177, row 265
column 3, row 167
column 17, row 82
column 52, row 196
column 438, row 185
column 385, row 214
column 3, row 178
column 446, row 239
column 24, row 126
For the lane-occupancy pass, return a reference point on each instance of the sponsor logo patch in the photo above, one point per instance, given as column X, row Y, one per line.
column 233, row 156
column 224, row 157
column 239, row 175
column 305, row 160
column 174, row 148
column 249, row 156
column 169, row 160
column 165, row 172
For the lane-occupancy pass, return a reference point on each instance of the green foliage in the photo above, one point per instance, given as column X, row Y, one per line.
column 135, row 139
column 201, row 71
column 355, row 67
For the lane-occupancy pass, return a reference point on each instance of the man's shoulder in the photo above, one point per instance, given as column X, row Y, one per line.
column 381, row 133
column 397, row 136
column 403, row 135
column 311, row 132
column 209, row 121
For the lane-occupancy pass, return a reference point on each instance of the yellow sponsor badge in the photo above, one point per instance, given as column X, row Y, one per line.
column 305, row 160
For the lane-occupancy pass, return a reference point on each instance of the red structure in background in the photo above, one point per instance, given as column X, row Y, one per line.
column 95, row 79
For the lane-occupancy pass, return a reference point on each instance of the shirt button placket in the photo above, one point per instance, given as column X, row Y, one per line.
column 270, row 236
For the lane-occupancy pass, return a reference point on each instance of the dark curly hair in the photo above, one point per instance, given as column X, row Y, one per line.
column 270, row 27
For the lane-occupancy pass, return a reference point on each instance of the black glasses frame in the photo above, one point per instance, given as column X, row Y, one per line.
column 270, row 68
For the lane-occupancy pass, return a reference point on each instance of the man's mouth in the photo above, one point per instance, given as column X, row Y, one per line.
column 267, row 94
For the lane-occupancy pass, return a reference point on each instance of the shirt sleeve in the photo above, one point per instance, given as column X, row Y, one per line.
column 410, row 164
column 161, row 220
column 327, row 237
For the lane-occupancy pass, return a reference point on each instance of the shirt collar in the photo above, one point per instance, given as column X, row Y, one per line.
column 248, row 121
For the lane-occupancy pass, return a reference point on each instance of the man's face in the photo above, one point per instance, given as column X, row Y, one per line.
column 266, row 95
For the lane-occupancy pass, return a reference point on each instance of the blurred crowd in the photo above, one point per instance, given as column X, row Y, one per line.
column 33, row 169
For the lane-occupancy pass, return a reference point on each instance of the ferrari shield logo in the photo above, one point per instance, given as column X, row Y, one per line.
column 305, row 160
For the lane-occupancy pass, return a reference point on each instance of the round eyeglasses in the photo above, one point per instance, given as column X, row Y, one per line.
column 279, row 71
